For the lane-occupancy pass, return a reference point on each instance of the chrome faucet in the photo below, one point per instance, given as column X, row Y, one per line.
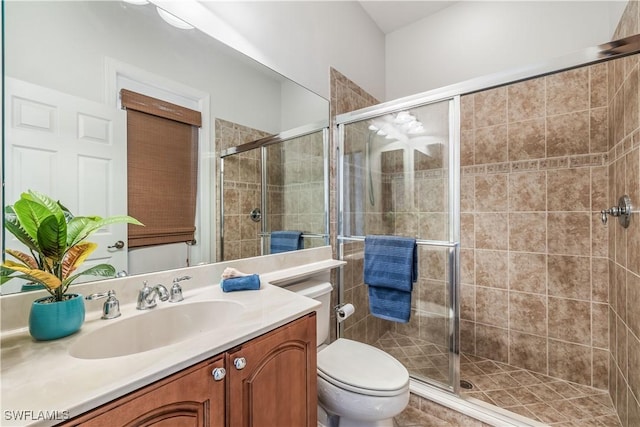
column 111, row 307
column 147, row 296
column 176, row 289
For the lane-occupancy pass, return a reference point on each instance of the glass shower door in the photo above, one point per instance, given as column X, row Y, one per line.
column 295, row 191
column 398, row 173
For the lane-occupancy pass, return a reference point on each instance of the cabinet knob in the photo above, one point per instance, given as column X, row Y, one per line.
column 239, row 363
column 219, row 373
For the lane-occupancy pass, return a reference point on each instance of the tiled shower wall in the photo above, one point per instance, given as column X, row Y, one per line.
column 295, row 170
column 624, row 244
column 534, row 268
column 242, row 182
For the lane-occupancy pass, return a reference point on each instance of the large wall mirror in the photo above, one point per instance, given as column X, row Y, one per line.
column 65, row 131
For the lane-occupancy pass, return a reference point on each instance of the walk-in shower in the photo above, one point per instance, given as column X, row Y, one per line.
column 519, row 314
column 272, row 184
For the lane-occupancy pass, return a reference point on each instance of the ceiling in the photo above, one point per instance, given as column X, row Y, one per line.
column 390, row 15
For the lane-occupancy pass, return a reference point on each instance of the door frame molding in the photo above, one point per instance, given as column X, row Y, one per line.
column 117, row 74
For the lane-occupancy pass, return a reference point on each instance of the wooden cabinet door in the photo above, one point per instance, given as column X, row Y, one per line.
column 189, row 398
column 278, row 384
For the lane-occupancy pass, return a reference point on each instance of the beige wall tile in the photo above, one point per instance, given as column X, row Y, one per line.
column 569, row 233
column 599, row 130
column 570, row 320
column 633, row 303
column 528, row 272
column 492, row 306
column 620, row 285
column 528, row 351
column 528, row 232
column 492, row 343
column 598, row 75
column 568, row 134
column 467, row 266
column 600, row 369
column 491, row 193
column 570, row 361
column 528, row 313
column 491, row 145
column 527, row 191
column 467, row 230
column 490, row 107
column 491, row 268
column 568, row 91
column 468, row 302
column 527, row 139
column 569, row 189
column 491, row 231
column 570, row 277
column 600, row 280
column 526, row 100
column 467, row 144
column 634, row 366
column 600, row 325
column 466, row 112
column 630, row 89
column 467, row 193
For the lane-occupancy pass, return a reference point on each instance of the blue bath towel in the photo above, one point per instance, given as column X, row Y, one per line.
column 285, row 241
column 390, row 269
column 241, row 283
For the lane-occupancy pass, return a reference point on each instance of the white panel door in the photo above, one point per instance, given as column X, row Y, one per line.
column 73, row 150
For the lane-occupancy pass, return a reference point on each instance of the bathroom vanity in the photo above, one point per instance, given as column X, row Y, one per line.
column 270, row 379
column 265, row 340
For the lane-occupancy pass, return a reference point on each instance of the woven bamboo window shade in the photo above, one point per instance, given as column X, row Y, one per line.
column 162, row 167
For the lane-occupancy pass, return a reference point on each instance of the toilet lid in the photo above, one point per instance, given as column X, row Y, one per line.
column 361, row 366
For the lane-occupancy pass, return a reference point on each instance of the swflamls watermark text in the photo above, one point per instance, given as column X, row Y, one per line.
column 32, row 415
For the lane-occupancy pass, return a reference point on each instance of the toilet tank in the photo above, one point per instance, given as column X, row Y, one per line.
column 319, row 291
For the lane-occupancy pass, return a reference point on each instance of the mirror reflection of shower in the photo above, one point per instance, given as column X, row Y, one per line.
column 398, row 146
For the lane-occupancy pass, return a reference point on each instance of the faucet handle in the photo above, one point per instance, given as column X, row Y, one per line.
column 111, row 307
column 176, row 289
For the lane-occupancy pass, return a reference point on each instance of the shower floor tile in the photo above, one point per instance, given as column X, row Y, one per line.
column 545, row 399
column 548, row 400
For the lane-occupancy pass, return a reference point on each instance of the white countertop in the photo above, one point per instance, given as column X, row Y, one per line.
column 39, row 378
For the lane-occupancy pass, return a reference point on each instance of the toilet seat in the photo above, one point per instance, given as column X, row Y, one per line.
column 361, row 368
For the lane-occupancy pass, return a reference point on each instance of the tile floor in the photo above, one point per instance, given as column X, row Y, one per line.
column 549, row 400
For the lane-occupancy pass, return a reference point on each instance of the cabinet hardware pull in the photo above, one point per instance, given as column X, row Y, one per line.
column 219, row 373
column 239, row 363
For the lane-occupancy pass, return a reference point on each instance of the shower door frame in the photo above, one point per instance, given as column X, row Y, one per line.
column 453, row 244
column 262, row 144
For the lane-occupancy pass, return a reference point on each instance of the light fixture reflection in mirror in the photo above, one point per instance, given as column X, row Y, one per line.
column 88, row 50
column 173, row 20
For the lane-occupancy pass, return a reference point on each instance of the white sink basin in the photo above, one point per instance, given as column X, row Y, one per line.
column 156, row 328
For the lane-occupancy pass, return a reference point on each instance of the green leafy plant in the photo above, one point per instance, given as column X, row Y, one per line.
column 56, row 241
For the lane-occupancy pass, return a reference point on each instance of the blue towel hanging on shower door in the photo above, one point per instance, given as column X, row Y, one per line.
column 285, row 241
column 390, row 269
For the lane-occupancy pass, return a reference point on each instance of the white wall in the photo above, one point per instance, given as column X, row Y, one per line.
column 471, row 39
column 299, row 39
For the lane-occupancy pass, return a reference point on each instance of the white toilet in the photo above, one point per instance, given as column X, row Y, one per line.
column 358, row 385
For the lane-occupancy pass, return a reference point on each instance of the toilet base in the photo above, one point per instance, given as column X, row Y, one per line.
column 331, row 420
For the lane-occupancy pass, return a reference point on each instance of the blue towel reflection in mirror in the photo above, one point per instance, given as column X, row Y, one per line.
column 390, row 269
column 285, row 241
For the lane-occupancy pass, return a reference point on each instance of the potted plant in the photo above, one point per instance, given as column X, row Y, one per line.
column 56, row 241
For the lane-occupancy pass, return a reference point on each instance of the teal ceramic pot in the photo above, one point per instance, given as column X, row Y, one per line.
column 50, row 321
